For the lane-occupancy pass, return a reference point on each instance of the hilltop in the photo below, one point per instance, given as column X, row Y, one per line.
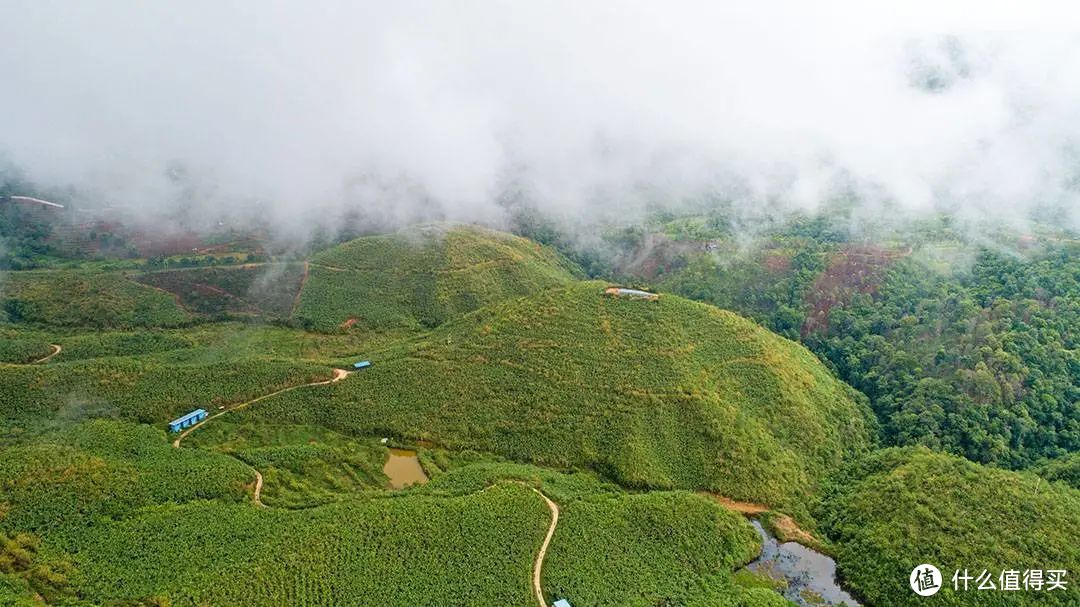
column 414, row 279
column 653, row 394
column 423, row 276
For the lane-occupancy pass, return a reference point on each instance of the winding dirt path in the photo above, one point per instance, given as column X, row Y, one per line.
column 56, row 350
column 300, row 289
column 538, row 567
column 339, row 374
column 257, row 497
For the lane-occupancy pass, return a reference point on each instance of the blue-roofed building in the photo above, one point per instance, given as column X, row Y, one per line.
column 187, row 421
column 561, row 603
column 364, row 364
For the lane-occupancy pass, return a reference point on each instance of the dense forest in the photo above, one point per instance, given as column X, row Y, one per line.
column 964, row 343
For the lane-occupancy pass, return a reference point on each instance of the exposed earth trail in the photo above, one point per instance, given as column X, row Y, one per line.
column 56, row 350
column 339, row 374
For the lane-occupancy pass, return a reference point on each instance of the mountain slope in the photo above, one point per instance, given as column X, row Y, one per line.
column 423, row 276
column 665, row 394
column 899, row 508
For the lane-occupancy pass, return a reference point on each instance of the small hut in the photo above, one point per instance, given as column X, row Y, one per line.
column 187, row 421
column 631, row 293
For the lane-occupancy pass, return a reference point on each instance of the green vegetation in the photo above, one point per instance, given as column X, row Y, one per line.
column 960, row 348
column 302, row 466
column 667, row 394
column 267, row 289
column 469, row 537
column 629, row 564
column 17, row 349
column 615, row 548
column 422, row 277
column 101, row 344
column 513, row 375
column 84, row 298
column 1064, row 469
column 26, row 578
column 151, row 389
column 899, row 508
column 102, row 470
column 468, row 550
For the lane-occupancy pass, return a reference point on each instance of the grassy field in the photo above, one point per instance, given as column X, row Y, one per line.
column 668, row 394
column 423, row 276
column 902, row 507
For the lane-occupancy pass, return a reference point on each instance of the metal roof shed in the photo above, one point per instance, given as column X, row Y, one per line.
column 561, row 603
column 187, row 421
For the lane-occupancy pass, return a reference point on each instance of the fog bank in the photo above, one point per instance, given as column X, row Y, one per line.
column 300, row 112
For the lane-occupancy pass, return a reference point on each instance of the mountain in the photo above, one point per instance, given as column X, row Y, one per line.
column 423, row 276
column 654, row 394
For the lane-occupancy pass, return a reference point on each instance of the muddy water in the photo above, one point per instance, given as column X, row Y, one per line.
column 403, row 469
column 810, row 575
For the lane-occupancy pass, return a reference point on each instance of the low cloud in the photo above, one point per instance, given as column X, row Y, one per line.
column 298, row 114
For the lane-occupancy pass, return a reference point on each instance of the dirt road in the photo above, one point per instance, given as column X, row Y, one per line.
column 339, row 374
column 539, row 566
column 56, row 350
column 257, row 497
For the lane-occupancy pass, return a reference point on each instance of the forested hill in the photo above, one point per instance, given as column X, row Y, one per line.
column 960, row 347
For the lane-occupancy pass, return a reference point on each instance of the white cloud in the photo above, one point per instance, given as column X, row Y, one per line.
column 293, row 106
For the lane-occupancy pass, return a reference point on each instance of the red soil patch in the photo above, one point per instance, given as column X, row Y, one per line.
column 854, row 270
column 777, row 262
column 657, row 253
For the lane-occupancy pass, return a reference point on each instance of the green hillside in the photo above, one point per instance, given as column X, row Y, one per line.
column 74, row 298
column 108, row 469
column 108, row 513
column 423, row 276
column 900, row 508
column 1063, row 469
column 152, row 389
column 666, row 394
column 249, row 289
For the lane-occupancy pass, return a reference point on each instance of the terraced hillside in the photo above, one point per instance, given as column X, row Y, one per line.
column 507, row 373
column 665, row 394
column 423, row 276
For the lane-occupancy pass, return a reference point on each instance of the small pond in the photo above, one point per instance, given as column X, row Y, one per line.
column 403, row 468
column 810, row 575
